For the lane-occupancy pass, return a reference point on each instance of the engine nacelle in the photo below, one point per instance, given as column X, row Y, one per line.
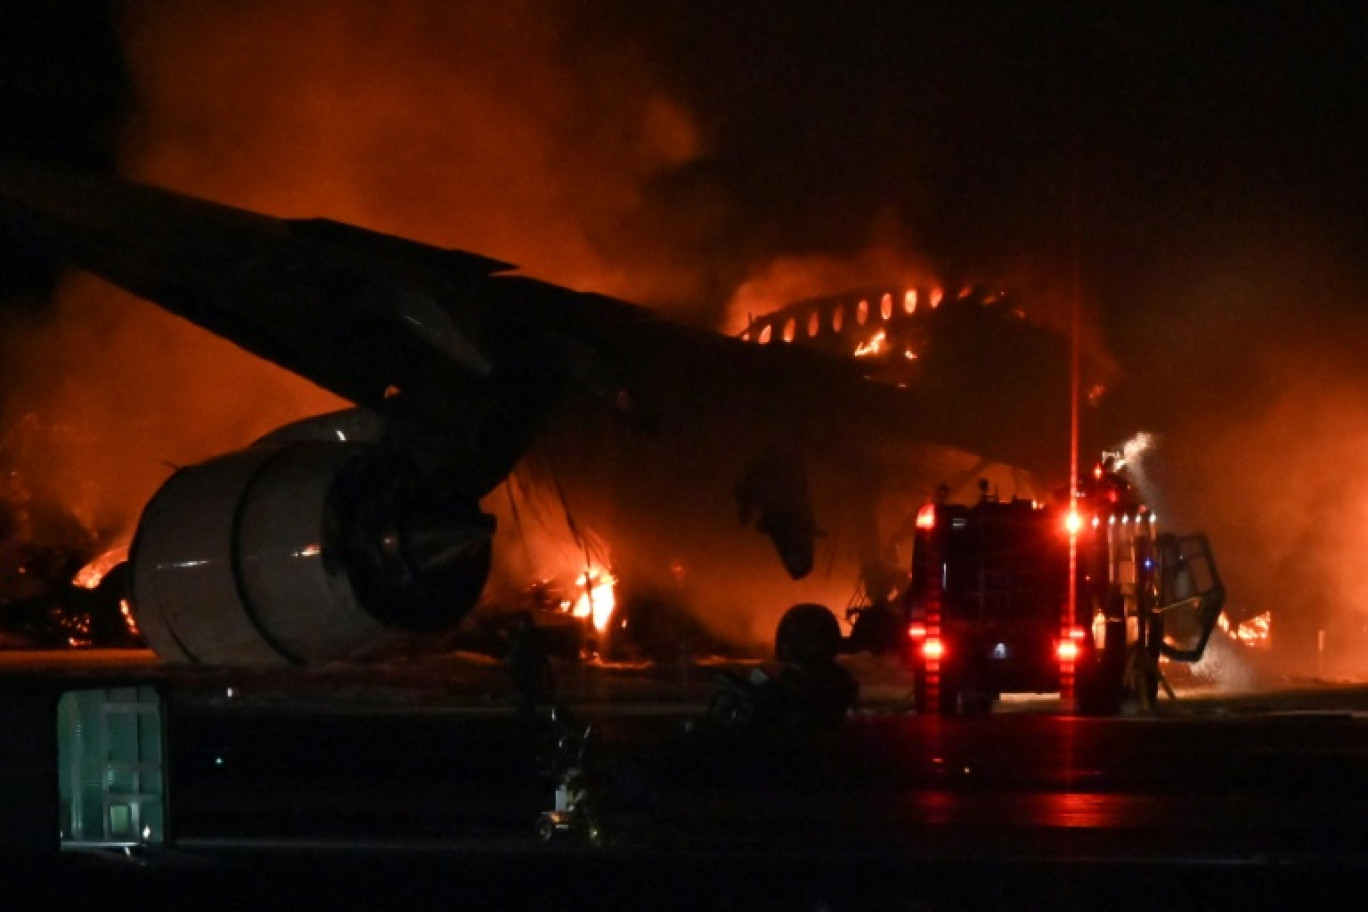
column 301, row 552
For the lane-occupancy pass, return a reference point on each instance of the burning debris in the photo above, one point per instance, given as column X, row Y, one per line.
column 54, row 590
column 1253, row 632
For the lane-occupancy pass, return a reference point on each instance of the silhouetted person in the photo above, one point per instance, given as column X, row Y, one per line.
column 528, row 664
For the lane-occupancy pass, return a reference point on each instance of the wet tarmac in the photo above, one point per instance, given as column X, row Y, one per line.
column 321, row 792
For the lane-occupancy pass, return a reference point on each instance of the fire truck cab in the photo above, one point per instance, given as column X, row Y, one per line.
column 1082, row 598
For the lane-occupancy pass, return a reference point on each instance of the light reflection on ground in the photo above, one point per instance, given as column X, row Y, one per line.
column 479, row 682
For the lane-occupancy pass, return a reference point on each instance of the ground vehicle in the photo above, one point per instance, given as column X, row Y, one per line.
column 1082, row 598
column 576, row 811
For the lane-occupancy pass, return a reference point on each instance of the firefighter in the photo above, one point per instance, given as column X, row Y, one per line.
column 528, row 665
column 817, row 691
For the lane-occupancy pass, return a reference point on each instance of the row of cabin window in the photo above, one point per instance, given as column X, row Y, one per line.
column 814, row 323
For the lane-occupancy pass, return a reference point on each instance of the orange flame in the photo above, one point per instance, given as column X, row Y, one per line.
column 92, row 574
column 1254, row 631
column 596, row 599
column 873, row 346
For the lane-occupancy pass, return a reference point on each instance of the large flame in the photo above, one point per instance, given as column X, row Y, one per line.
column 456, row 124
column 595, row 600
column 1252, row 631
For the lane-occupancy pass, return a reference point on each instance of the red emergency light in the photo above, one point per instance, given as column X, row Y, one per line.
column 1070, row 643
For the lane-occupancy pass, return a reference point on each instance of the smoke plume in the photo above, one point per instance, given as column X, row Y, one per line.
column 463, row 125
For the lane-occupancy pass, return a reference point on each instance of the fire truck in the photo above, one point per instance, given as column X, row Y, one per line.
column 1083, row 597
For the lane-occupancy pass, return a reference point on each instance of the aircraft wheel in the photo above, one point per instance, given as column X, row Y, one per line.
column 807, row 632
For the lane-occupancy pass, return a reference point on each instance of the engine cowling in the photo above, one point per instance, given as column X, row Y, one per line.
column 300, row 552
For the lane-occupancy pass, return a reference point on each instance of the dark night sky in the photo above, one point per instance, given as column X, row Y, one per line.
column 1199, row 166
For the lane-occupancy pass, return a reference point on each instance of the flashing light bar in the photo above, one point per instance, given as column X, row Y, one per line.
column 933, row 649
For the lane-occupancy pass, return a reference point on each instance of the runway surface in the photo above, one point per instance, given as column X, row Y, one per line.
column 319, row 790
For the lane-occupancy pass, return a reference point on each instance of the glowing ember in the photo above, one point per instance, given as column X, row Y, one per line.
column 127, row 611
column 596, row 600
column 90, row 576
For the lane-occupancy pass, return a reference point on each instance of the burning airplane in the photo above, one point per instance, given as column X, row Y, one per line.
column 734, row 476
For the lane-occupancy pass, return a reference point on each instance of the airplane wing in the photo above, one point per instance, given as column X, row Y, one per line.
column 310, row 543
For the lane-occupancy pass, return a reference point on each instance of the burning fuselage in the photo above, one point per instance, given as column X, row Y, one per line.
column 732, row 476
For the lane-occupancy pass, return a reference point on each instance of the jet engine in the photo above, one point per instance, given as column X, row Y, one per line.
column 302, row 551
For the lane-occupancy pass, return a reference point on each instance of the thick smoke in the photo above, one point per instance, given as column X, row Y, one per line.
column 786, row 279
column 462, row 125
column 676, row 161
column 1253, row 370
column 110, row 394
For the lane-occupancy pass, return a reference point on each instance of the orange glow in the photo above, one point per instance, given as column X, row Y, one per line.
column 789, row 330
column 910, row 301
column 936, row 295
column 838, row 319
column 1073, row 522
column 886, row 307
column 766, row 333
column 814, row 324
column 862, row 313
column 926, row 518
column 596, row 599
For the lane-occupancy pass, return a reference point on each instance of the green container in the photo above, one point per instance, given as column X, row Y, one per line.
column 111, row 750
